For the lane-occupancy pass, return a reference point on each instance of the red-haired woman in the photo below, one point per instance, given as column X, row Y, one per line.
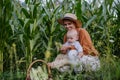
column 89, row 59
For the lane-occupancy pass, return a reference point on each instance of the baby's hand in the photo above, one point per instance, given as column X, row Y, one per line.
column 80, row 55
column 63, row 49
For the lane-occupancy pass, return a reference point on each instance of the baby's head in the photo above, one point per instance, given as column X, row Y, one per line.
column 72, row 36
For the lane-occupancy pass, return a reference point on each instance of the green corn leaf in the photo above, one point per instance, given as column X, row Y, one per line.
column 25, row 12
column 90, row 21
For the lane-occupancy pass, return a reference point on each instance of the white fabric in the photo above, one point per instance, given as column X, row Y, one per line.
column 86, row 63
column 72, row 55
column 90, row 62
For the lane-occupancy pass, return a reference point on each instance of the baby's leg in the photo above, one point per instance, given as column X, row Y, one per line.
column 64, row 68
column 61, row 56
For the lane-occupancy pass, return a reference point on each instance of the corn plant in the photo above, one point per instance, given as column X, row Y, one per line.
column 29, row 31
column 4, row 29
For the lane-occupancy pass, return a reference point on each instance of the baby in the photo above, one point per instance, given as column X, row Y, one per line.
column 75, row 49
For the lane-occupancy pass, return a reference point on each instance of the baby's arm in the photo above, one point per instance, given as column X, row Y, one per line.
column 66, row 47
column 79, row 49
column 69, row 47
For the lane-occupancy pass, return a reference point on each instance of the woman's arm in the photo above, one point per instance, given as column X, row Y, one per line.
column 86, row 42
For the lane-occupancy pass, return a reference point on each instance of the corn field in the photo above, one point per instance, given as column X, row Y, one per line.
column 29, row 31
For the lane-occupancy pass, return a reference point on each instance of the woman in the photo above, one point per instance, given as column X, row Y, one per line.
column 89, row 59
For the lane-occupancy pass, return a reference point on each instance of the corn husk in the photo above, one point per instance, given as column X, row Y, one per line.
column 38, row 73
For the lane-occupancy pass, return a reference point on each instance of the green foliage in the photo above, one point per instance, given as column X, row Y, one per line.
column 28, row 31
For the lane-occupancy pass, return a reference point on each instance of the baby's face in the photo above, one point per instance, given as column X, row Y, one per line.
column 71, row 39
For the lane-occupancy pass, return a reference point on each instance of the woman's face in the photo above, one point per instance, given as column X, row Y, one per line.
column 69, row 24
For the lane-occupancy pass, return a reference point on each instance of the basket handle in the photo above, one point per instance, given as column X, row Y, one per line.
column 48, row 67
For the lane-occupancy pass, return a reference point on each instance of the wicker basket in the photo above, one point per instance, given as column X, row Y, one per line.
column 30, row 66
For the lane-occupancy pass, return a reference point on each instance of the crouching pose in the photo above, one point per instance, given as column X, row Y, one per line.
column 76, row 50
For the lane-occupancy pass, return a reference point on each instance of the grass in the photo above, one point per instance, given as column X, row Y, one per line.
column 110, row 66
